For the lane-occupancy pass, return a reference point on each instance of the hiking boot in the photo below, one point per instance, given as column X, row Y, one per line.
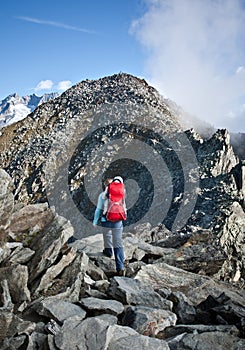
column 121, row 273
column 106, row 254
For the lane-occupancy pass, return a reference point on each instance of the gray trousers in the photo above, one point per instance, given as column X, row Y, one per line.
column 113, row 237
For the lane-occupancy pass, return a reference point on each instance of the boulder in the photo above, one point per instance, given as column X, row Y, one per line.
column 206, row 341
column 47, row 245
column 171, row 332
column 195, row 287
column 17, row 278
column 95, row 333
column 6, row 204
column 29, row 220
column 199, row 258
column 54, row 270
column 148, row 321
column 131, row 291
column 58, row 310
column 183, row 308
column 100, row 306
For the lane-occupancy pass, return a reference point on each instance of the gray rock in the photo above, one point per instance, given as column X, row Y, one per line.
column 20, row 255
column 99, row 306
column 133, row 267
column 95, row 294
column 206, row 341
column 13, row 343
column 108, row 318
column 183, row 308
column 130, row 291
column 53, row 327
column 143, row 232
column 51, row 343
column 70, row 284
column 92, row 245
column 17, row 278
column 148, row 321
column 56, row 269
column 59, row 310
column 4, row 252
column 47, row 244
column 37, row 340
column 6, row 317
column 29, row 220
column 232, row 238
column 178, row 329
column 196, row 287
column 124, row 338
column 204, row 258
column 106, row 264
column 223, row 309
column 6, row 204
column 6, row 301
column 102, row 286
column 172, row 241
column 95, row 272
column 87, row 334
column 141, row 249
column 95, row 333
column 24, row 327
column 131, row 249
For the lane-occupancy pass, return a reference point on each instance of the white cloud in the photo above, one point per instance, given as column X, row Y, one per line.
column 194, row 48
column 44, row 85
column 64, row 85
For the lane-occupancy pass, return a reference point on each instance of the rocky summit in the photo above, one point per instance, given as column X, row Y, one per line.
column 183, row 238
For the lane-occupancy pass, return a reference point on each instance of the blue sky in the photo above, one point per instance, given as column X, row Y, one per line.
column 53, row 40
column 192, row 51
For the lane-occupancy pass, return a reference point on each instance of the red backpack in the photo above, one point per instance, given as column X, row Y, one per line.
column 116, row 207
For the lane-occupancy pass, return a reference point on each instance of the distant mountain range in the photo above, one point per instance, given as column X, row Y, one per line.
column 14, row 108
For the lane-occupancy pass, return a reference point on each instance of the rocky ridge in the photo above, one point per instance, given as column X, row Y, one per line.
column 61, row 295
column 184, row 235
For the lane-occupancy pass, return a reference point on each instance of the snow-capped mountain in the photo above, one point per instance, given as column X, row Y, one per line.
column 14, row 108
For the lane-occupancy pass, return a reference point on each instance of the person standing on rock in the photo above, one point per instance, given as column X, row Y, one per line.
column 112, row 226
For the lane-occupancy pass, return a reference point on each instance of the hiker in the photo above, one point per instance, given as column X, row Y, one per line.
column 112, row 230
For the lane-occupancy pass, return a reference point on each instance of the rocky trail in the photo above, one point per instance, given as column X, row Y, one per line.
column 61, row 293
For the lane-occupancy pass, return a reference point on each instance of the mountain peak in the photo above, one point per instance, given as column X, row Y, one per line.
column 15, row 108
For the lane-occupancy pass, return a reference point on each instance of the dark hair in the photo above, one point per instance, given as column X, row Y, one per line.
column 106, row 183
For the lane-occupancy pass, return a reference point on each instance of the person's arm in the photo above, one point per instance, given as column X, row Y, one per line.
column 124, row 203
column 98, row 210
